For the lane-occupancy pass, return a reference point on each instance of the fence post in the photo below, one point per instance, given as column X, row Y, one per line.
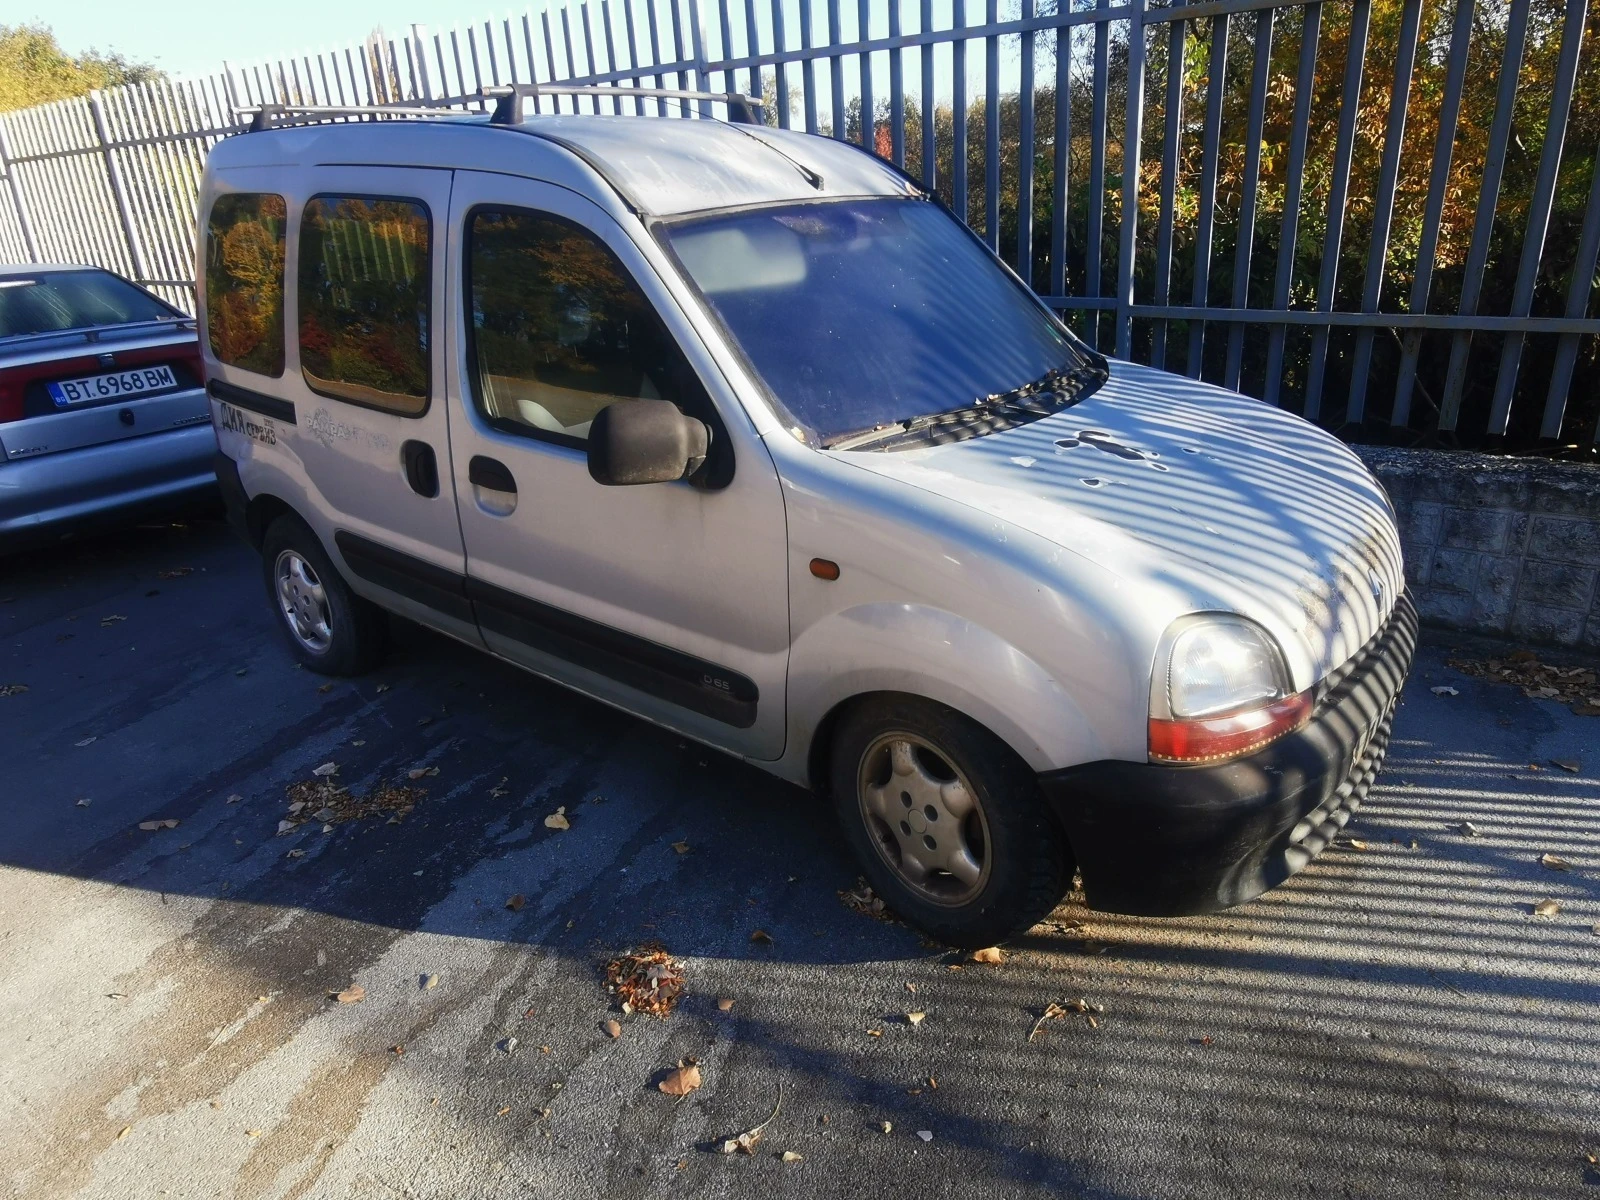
column 115, row 175
column 421, row 83
column 17, row 201
column 1130, row 179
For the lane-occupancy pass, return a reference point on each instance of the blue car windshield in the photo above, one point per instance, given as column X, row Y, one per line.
column 864, row 314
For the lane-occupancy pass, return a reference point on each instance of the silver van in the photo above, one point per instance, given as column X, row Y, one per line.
column 741, row 431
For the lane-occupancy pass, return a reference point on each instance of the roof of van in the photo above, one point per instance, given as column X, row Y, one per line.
column 661, row 166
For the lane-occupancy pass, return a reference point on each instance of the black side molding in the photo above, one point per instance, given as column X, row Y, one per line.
column 256, row 402
column 690, row 682
column 411, row 577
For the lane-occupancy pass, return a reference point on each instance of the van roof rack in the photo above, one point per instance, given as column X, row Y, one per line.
column 508, row 110
column 742, row 109
column 273, row 116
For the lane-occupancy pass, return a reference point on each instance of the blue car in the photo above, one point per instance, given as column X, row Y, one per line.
column 103, row 411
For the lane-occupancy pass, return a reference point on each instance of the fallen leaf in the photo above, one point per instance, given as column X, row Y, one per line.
column 1444, row 690
column 1357, row 844
column 12, row 689
column 933, row 1083
column 359, row 742
column 397, row 1049
column 1468, row 828
column 745, row 1143
column 1570, row 765
column 724, row 1004
column 874, row 1033
column 124, row 1132
column 1555, row 862
column 761, row 937
column 925, row 1134
column 327, row 687
column 992, row 955
column 613, row 1028
column 558, row 819
column 887, row 1127
column 429, row 982
column 681, row 847
column 326, row 769
column 86, row 741
column 681, row 1080
column 789, row 1156
column 516, row 902
column 286, row 827
column 85, row 802
column 382, row 687
column 235, row 798
column 1546, row 908
column 297, row 852
column 354, row 994
column 252, row 1133
column 503, row 1111
column 916, row 1018
column 112, row 619
column 167, row 823
column 242, row 671
column 421, row 772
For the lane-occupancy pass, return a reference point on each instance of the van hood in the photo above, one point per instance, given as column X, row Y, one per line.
column 1205, row 499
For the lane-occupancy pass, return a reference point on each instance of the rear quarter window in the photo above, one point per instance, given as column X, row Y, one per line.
column 244, row 281
column 364, row 292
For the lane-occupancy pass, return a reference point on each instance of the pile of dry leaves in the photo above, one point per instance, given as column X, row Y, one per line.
column 328, row 802
column 647, row 982
column 1574, row 686
column 864, row 900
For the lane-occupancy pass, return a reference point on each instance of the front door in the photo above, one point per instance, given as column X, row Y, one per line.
column 670, row 599
column 369, row 304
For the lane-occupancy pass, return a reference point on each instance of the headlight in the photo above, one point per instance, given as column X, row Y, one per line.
column 1220, row 689
column 1221, row 664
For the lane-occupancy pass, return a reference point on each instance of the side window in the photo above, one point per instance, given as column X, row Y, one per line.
column 560, row 330
column 244, row 281
column 364, row 301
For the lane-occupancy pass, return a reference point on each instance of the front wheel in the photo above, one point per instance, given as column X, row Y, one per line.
column 329, row 628
column 947, row 821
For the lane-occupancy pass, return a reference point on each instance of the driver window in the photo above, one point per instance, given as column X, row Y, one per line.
column 559, row 328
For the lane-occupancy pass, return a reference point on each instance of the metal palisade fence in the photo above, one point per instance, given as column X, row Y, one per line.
column 1384, row 214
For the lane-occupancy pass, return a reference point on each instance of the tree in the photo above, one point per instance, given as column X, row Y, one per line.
column 34, row 69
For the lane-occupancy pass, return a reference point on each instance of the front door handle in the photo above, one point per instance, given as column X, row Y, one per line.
column 422, row 469
column 490, row 473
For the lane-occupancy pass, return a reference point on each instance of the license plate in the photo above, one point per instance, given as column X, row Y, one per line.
column 117, row 385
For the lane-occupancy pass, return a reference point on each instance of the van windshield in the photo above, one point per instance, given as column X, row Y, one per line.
column 879, row 317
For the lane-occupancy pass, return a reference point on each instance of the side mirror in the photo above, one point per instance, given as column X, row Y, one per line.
column 645, row 441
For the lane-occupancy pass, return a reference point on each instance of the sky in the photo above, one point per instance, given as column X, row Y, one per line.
column 187, row 38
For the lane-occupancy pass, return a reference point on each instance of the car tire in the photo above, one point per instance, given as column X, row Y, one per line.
column 328, row 627
column 947, row 821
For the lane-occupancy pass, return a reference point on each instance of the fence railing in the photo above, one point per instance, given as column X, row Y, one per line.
column 1382, row 213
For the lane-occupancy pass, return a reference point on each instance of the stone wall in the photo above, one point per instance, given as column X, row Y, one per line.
column 1500, row 546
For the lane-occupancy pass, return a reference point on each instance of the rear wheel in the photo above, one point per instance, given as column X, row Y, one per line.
column 947, row 821
column 329, row 628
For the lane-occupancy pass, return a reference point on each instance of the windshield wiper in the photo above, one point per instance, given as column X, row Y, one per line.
column 1053, row 391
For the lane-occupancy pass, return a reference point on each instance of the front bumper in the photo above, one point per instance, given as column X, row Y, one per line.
column 1157, row 840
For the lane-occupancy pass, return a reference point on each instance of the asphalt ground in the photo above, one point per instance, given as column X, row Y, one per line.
column 1395, row 1021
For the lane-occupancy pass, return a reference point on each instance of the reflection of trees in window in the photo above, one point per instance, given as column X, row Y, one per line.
column 550, row 302
column 244, row 281
column 364, row 283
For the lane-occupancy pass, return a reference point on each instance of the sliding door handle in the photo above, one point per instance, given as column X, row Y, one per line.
column 422, row 469
column 490, row 473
